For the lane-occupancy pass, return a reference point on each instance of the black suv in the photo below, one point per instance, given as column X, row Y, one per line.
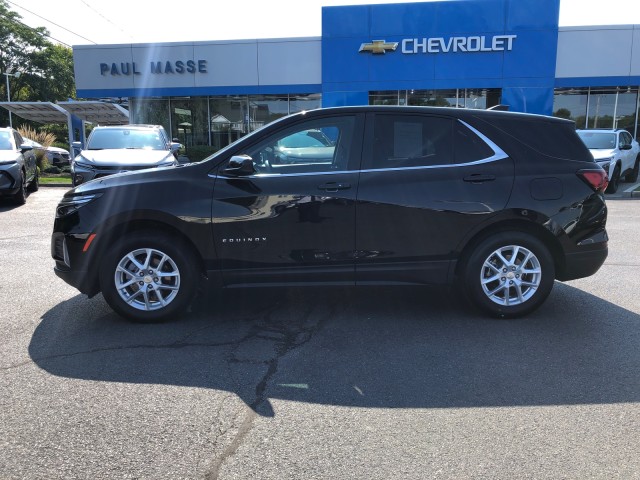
column 499, row 203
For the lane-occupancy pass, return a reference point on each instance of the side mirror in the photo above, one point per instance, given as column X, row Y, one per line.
column 26, row 147
column 240, row 165
column 625, row 147
column 175, row 146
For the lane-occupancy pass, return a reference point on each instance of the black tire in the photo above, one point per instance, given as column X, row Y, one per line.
column 632, row 176
column 34, row 186
column 614, row 181
column 513, row 284
column 174, row 282
column 20, row 197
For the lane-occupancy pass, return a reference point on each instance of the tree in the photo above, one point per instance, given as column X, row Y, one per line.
column 46, row 69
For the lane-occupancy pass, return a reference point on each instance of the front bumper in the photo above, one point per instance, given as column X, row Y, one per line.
column 72, row 263
column 9, row 175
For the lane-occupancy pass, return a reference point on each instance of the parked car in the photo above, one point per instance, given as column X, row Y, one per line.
column 123, row 148
column 18, row 169
column 500, row 204
column 616, row 151
column 58, row 157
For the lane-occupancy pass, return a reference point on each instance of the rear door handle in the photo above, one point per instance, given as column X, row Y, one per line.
column 334, row 186
column 479, row 178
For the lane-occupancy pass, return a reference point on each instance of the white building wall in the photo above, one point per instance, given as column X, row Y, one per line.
column 238, row 63
column 598, row 51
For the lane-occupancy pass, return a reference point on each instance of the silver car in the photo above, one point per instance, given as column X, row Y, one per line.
column 123, row 148
column 18, row 169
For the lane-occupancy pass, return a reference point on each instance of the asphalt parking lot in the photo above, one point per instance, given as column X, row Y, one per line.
column 317, row 383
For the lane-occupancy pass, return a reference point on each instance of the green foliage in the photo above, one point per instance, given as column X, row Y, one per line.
column 54, row 170
column 46, row 69
column 43, row 138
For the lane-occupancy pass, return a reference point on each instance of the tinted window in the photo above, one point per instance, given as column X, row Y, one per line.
column 469, row 147
column 411, row 141
column 313, row 146
column 553, row 139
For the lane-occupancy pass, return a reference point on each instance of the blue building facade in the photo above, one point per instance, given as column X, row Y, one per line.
column 466, row 44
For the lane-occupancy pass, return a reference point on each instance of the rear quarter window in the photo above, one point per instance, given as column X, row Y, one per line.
column 550, row 138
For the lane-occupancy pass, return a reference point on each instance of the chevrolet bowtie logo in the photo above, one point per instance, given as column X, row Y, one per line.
column 378, row 46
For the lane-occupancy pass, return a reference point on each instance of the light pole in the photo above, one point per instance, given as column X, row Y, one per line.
column 9, row 74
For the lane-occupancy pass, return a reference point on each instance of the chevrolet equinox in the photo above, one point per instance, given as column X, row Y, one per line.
column 498, row 204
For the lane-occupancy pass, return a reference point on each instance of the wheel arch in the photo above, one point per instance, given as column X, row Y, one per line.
column 113, row 232
column 536, row 230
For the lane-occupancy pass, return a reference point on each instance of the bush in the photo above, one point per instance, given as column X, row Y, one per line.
column 52, row 170
column 45, row 139
column 66, row 169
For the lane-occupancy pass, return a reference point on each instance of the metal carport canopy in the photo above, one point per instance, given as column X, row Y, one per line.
column 101, row 113
column 43, row 112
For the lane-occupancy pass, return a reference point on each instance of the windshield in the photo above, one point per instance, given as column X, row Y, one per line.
column 599, row 140
column 125, row 138
column 5, row 141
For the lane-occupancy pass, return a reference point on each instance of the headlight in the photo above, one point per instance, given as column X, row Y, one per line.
column 70, row 205
column 82, row 163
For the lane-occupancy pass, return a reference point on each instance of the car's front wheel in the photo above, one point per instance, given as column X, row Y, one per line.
column 34, row 186
column 20, row 197
column 614, row 181
column 632, row 176
column 149, row 277
column 509, row 274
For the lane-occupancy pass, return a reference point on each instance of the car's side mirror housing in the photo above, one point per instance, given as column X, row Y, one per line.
column 625, row 147
column 175, row 146
column 26, row 147
column 240, row 165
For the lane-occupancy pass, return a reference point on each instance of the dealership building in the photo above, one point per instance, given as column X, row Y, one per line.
column 460, row 53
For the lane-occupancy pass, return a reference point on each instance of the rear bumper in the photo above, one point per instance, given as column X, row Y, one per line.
column 585, row 262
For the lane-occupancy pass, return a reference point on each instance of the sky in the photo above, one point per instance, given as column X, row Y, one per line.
column 87, row 22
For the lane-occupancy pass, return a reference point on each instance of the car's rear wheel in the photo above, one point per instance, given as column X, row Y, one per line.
column 614, row 181
column 149, row 277
column 632, row 176
column 20, row 197
column 509, row 274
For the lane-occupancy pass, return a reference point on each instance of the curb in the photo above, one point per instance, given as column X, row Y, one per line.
column 67, row 185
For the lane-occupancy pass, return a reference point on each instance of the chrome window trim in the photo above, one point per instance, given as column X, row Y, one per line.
column 498, row 154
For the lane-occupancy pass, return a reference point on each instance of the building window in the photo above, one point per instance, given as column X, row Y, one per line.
column 477, row 98
column 602, row 107
column 217, row 121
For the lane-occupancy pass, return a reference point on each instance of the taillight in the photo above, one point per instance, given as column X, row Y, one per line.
column 596, row 178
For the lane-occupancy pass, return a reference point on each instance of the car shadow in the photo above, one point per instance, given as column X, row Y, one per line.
column 367, row 347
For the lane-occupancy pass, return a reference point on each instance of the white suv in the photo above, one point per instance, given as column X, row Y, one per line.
column 616, row 151
column 123, row 148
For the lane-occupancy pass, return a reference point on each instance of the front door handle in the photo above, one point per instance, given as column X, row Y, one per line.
column 334, row 186
column 479, row 178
